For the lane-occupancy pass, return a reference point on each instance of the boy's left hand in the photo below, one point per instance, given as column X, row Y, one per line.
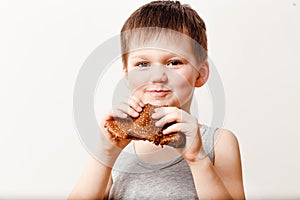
column 185, row 123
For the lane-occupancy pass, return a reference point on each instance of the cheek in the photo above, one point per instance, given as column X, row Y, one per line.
column 184, row 78
column 183, row 85
column 137, row 79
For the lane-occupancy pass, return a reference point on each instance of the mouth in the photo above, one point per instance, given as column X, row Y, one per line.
column 158, row 92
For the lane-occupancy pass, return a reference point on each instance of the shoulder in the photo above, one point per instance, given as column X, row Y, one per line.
column 226, row 146
column 228, row 161
column 225, row 138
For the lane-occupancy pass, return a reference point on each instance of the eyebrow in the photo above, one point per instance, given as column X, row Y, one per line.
column 139, row 57
column 144, row 56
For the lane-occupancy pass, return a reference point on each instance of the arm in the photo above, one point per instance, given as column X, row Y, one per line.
column 93, row 182
column 224, row 179
column 220, row 181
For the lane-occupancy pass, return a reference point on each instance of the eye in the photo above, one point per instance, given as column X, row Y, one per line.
column 143, row 64
column 174, row 63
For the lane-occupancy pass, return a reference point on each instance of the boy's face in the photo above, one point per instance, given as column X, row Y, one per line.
column 163, row 72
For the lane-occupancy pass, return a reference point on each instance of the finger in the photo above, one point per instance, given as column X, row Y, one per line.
column 138, row 101
column 163, row 111
column 173, row 114
column 125, row 109
column 177, row 127
column 119, row 113
column 134, row 103
column 181, row 127
column 110, row 115
column 177, row 116
column 167, row 119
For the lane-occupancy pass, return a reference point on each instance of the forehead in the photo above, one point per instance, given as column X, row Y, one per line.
column 171, row 42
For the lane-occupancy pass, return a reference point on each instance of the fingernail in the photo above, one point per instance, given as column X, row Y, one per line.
column 136, row 114
column 139, row 109
column 156, row 110
column 154, row 115
column 141, row 104
column 157, row 123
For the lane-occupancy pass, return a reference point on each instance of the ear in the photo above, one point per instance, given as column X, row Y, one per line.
column 203, row 74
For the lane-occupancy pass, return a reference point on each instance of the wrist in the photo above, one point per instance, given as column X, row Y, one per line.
column 199, row 157
column 107, row 155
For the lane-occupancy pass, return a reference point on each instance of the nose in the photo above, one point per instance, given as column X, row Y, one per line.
column 158, row 73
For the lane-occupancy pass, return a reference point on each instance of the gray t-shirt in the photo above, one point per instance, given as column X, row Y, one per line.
column 135, row 179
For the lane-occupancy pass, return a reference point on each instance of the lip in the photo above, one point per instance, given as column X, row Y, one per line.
column 158, row 92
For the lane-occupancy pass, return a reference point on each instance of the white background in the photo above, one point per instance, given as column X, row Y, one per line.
column 255, row 46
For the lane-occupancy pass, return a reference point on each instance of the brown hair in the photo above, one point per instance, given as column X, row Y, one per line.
column 169, row 15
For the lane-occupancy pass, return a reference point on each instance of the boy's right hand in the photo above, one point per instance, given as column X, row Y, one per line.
column 109, row 147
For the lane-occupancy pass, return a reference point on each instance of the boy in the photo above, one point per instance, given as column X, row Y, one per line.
column 164, row 57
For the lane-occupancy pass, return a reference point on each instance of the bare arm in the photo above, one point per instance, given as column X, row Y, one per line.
column 224, row 179
column 220, row 181
column 93, row 182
